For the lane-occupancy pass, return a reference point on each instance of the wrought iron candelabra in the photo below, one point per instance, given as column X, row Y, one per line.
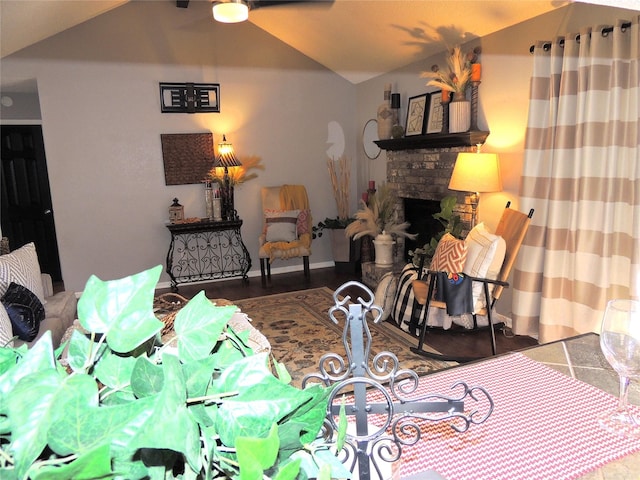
column 396, row 410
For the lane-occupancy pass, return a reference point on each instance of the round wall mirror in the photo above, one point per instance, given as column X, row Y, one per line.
column 369, row 136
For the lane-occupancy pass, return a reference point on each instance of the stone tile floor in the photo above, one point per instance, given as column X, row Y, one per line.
column 581, row 358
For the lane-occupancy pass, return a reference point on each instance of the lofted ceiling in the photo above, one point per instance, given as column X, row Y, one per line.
column 358, row 39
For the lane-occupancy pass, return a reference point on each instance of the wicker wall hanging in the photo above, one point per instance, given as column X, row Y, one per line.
column 187, row 157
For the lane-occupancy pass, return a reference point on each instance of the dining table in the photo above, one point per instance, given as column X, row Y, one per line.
column 544, row 422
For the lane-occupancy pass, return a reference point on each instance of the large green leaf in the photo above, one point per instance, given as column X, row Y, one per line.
column 262, row 400
column 245, row 373
column 170, row 426
column 30, row 408
column 38, row 357
column 83, row 351
column 198, row 375
column 89, row 466
column 146, row 378
column 197, row 379
column 288, row 470
column 198, row 326
column 122, row 309
column 79, row 425
column 261, row 451
column 115, row 371
column 303, row 424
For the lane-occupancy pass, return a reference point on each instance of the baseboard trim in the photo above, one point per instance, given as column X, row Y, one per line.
column 255, row 273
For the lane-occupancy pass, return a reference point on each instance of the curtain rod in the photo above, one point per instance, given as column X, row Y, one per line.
column 605, row 31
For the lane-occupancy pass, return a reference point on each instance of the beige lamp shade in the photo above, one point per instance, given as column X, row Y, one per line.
column 476, row 172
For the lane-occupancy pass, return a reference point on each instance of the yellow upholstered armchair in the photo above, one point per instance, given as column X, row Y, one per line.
column 286, row 232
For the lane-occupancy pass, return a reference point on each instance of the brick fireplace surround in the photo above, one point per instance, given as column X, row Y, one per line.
column 424, row 174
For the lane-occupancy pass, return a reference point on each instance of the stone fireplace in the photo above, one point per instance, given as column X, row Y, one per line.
column 420, row 179
column 418, row 172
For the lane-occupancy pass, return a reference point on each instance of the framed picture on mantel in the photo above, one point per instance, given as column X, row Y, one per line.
column 435, row 116
column 416, row 115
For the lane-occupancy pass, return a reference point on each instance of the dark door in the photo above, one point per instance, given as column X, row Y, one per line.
column 26, row 211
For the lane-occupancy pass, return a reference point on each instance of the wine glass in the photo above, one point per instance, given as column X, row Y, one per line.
column 620, row 343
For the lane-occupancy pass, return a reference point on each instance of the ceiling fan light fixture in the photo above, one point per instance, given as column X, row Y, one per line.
column 233, row 11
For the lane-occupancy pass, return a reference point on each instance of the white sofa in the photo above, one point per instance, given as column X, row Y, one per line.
column 21, row 266
column 60, row 312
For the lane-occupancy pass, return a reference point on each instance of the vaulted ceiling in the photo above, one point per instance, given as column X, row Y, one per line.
column 358, row 39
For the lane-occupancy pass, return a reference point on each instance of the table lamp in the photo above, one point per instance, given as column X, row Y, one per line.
column 226, row 158
column 476, row 172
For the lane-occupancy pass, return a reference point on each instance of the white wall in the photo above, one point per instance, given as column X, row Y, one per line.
column 102, row 123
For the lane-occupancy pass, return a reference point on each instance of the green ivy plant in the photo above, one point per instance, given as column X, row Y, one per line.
column 122, row 405
column 451, row 223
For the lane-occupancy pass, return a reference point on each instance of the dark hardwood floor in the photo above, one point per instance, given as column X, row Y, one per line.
column 455, row 342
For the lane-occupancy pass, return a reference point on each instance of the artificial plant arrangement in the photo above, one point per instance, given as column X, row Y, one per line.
column 340, row 175
column 201, row 406
column 378, row 217
column 458, row 75
column 237, row 175
column 451, row 224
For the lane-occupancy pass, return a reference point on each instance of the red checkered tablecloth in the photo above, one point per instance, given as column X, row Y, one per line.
column 544, row 426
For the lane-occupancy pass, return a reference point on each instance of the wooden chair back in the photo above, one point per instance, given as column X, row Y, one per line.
column 512, row 228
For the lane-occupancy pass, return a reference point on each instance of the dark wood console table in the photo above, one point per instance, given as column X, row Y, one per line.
column 206, row 250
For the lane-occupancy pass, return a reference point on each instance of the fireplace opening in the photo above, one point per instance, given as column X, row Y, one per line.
column 419, row 213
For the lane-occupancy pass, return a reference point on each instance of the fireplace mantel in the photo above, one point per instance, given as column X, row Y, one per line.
column 434, row 140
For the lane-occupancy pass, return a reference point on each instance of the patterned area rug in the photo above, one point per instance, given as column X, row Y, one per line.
column 300, row 331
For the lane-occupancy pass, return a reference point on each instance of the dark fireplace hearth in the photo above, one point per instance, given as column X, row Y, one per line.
column 419, row 213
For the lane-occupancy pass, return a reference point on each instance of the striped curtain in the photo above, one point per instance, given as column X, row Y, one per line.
column 582, row 175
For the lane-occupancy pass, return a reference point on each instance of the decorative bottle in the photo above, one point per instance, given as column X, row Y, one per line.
column 208, row 199
column 397, row 130
column 385, row 115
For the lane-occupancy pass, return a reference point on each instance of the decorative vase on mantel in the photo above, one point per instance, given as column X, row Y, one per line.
column 384, row 115
column 383, row 244
column 459, row 113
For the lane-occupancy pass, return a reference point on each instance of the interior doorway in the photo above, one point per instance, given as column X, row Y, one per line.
column 26, row 210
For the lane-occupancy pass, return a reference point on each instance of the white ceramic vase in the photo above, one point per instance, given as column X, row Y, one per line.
column 383, row 244
column 459, row 116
